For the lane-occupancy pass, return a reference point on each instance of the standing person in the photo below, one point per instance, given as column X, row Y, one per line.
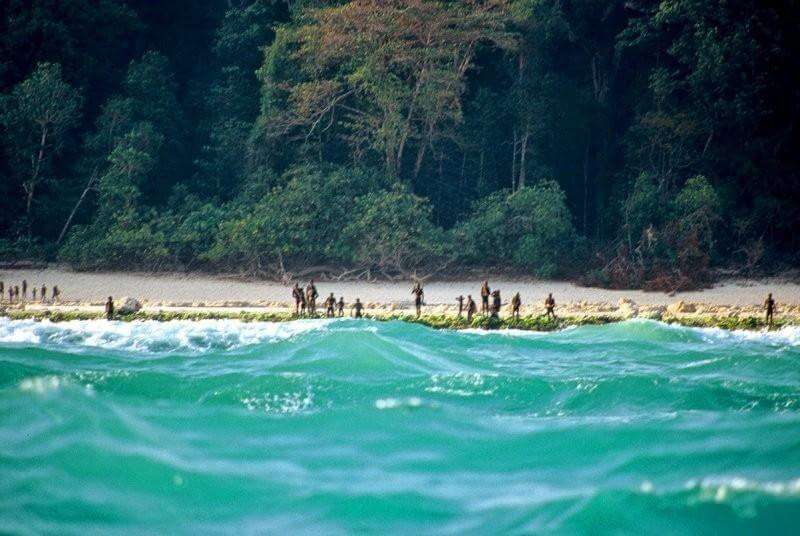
column 16, row 293
column 297, row 294
column 303, row 303
column 33, row 294
column 550, row 306
column 419, row 295
column 110, row 308
column 311, row 297
column 56, row 293
column 24, row 290
column 471, row 308
column 340, row 306
column 460, row 301
column 10, row 295
column 485, row 293
column 330, row 303
column 44, row 293
column 769, row 305
column 2, row 290
column 357, row 307
column 516, row 303
column 496, row 304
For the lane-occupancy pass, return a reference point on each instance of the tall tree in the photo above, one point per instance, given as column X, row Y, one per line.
column 37, row 116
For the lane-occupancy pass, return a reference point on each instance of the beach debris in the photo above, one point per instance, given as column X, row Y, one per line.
column 128, row 305
column 681, row 307
column 628, row 308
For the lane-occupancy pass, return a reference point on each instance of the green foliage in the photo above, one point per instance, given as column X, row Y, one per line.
column 299, row 222
column 36, row 117
column 221, row 135
column 391, row 231
column 530, row 229
column 642, row 209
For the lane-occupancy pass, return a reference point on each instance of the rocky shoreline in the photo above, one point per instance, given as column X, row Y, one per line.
column 437, row 316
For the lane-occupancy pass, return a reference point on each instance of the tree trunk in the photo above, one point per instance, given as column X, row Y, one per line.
column 30, row 188
column 89, row 186
column 523, row 171
column 514, row 160
column 586, row 180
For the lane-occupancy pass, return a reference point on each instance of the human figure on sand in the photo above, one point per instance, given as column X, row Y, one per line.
column 496, row 304
column 419, row 295
column 33, row 294
column 460, row 301
column 56, row 293
column 330, row 304
column 24, row 290
column 550, row 305
column 356, row 309
column 516, row 303
column 297, row 294
column 44, row 293
column 2, row 290
column 311, row 297
column 110, row 308
column 769, row 306
column 485, row 293
column 471, row 308
column 340, row 306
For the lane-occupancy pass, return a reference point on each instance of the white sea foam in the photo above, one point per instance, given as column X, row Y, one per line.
column 394, row 403
column 787, row 335
column 41, row 384
column 719, row 489
column 153, row 336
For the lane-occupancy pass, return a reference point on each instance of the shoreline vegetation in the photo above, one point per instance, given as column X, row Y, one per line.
column 440, row 318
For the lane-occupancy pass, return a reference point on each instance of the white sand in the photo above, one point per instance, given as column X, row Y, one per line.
column 95, row 287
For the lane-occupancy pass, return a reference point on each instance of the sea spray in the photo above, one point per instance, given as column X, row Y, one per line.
column 340, row 426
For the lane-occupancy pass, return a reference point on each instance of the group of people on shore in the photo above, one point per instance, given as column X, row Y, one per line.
column 305, row 300
column 305, row 303
column 492, row 307
column 19, row 293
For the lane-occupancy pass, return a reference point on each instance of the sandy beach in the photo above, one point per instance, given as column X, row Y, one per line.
column 164, row 292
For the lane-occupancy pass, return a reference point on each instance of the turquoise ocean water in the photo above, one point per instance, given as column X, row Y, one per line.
column 336, row 427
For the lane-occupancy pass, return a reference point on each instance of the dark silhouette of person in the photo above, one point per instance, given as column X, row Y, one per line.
column 56, row 293
column 516, row 303
column 460, row 301
column 330, row 304
column 550, row 306
column 485, row 293
column 297, row 294
column 769, row 305
column 33, row 294
column 16, row 293
column 311, row 297
column 419, row 295
column 2, row 290
column 44, row 293
column 340, row 306
column 357, row 307
column 496, row 304
column 110, row 308
column 10, row 295
column 24, row 289
column 471, row 308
